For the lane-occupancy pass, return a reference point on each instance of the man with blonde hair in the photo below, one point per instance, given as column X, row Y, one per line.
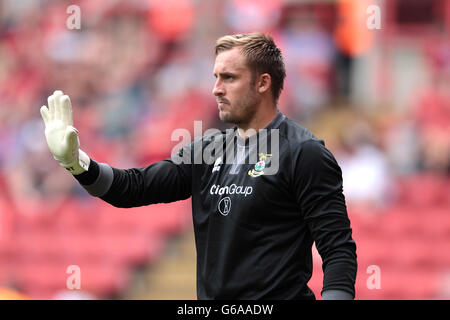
column 268, row 190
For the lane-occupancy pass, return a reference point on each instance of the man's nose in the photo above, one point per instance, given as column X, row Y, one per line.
column 218, row 89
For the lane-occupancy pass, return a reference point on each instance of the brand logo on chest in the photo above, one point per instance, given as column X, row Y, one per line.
column 217, row 164
column 224, row 206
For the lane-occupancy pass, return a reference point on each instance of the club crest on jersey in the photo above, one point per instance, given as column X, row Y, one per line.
column 258, row 170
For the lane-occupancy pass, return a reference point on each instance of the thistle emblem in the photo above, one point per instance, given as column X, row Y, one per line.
column 259, row 166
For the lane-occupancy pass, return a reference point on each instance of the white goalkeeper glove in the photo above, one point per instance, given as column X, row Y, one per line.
column 61, row 136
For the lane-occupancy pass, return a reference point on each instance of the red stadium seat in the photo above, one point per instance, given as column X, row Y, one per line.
column 373, row 251
column 78, row 215
column 101, row 279
column 41, row 275
column 414, row 253
column 132, row 249
column 113, row 219
column 104, row 279
column 436, row 222
column 83, row 245
column 423, row 190
column 399, row 284
column 39, row 245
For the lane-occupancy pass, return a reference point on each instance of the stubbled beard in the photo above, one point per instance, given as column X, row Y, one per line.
column 243, row 111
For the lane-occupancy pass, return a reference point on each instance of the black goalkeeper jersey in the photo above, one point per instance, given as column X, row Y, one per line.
column 258, row 205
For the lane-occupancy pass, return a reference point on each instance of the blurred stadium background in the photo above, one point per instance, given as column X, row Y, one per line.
column 137, row 70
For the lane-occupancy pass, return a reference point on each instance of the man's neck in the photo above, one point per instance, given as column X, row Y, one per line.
column 257, row 123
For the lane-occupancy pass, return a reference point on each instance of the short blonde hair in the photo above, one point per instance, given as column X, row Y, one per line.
column 262, row 55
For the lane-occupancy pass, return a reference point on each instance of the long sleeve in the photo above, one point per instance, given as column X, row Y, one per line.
column 164, row 181
column 318, row 186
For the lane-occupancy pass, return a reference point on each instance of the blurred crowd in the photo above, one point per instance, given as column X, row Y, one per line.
column 137, row 70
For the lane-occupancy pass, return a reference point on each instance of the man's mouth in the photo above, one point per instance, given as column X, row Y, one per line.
column 222, row 102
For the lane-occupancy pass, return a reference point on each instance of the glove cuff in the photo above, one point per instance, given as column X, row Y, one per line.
column 79, row 165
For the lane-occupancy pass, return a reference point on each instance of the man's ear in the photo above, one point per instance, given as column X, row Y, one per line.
column 264, row 82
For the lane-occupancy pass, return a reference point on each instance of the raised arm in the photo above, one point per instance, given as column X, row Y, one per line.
column 164, row 181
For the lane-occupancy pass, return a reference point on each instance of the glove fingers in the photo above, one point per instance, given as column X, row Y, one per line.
column 45, row 115
column 57, row 103
column 51, row 107
column 66, row 110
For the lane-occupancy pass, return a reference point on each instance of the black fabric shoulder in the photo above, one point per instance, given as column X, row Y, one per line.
column 295, row 132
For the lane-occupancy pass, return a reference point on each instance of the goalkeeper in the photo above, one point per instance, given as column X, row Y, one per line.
column 255, row 218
